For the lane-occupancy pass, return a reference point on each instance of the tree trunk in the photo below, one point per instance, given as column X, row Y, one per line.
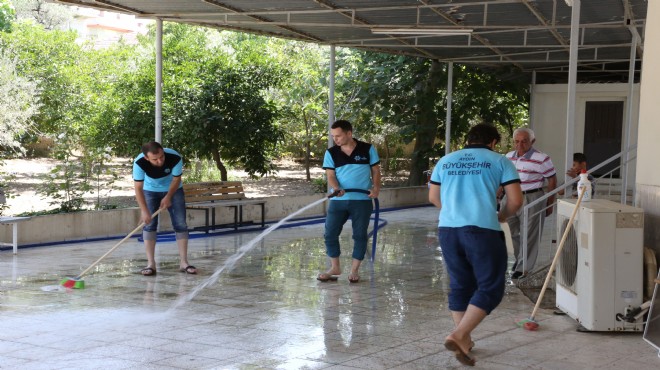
column 218, row 163
column 427, row 125
column 308, row 145
column 308, row 152
column 386, row 164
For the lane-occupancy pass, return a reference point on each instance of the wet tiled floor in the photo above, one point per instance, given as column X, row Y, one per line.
column 269, row 312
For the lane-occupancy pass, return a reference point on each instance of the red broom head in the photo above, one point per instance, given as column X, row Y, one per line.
column 68, row 283
column 531, row 326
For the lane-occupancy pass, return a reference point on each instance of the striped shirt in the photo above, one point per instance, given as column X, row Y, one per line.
column 533, row 168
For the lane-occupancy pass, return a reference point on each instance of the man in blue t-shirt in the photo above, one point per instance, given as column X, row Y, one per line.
column 353, row 171
column 157, row 181
column 464, row 186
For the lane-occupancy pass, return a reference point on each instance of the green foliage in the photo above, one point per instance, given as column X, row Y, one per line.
column 488, row 97
column 228, row 98
column 81, row 171
column 303, row 98
column 18, row 103
column 404, row 98
column 7, row 15
column 202, row 170
column 320, row 184
column 213, row 104
column 68, row 181
column 51, row 16
column 5, row 189
column 45, row 57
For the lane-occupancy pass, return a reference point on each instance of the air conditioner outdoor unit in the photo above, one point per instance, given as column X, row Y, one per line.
column 600, row 269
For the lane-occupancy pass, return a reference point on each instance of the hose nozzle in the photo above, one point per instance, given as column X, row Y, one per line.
column 334, row 194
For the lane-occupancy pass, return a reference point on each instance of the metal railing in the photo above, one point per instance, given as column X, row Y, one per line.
column 628, row 156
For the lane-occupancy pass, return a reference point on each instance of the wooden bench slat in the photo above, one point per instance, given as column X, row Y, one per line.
column 218, row 197
column 213, row 190
column 212, row 184
column 223, row 189
column 212, row 194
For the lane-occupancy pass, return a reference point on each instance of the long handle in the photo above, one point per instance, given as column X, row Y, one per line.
column 561, row 246
column 141, row 225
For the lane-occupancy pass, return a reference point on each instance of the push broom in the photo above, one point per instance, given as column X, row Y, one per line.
column 77, row 282
column 530, row 323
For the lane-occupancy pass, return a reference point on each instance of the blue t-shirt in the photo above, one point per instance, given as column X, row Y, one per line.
column 469, row 180
column 354, row 171
column 158, row 179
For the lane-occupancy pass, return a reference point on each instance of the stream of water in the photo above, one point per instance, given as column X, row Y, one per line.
column 231, row 261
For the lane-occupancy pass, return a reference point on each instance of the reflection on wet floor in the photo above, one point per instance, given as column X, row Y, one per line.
column 269, row 311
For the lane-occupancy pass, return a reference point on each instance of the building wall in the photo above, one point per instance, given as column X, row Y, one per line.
column 549, row 119
column 104, row 28
column 648, row 152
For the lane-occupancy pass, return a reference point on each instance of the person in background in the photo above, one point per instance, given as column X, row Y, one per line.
column 157, row 181
column 353, row 171
column 534, row 169
column 579, row 164
column 464, row 186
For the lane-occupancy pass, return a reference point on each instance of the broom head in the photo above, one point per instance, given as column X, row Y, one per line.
column 528, row 324
column 73, row 283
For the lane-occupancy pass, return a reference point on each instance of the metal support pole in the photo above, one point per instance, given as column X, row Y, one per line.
column 159, row 80
column 331, row 95
column 331, row 100
column 450, row 77
column 629, row 119
column 532, row 87
column 572, row 78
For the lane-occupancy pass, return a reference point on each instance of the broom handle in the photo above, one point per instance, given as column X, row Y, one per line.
column 554, row 260
column 141, row 225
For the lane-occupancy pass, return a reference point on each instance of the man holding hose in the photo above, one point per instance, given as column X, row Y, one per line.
column 353, row 171
column 464, row 186
column 157, row 180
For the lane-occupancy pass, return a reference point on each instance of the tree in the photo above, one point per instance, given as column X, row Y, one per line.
column 410, row 93
column 302, row 99
column 213, row 102
column 18, row 103
column 50, row 16
column 7, row 15
column 45, row 57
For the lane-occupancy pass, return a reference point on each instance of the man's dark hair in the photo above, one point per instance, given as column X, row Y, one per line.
column 343, row 125
column 482, row 134
column 579, row 158
column 152, row 147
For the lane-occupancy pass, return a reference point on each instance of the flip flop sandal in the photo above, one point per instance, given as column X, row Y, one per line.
column 148, row 271
column 461, row 356
column 353, row 279
column 327, row 277
column 192, row 270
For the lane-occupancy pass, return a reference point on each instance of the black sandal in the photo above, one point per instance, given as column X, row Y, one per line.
column 190, row 269
column 148, row 271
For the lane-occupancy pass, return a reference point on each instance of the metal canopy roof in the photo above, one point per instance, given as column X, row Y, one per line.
column 531, row 35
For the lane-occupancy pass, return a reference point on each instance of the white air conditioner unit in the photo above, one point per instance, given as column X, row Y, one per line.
column 600, row 269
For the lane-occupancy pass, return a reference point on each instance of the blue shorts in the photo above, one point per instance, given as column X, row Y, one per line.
column 177, row 214
column 476, row 260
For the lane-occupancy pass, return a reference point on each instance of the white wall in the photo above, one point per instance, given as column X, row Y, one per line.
column 648, row 151
column 649, row 130
column 549, row 118
column 118, row 222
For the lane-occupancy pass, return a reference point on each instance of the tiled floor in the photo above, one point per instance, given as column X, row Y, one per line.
column 269, row 312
